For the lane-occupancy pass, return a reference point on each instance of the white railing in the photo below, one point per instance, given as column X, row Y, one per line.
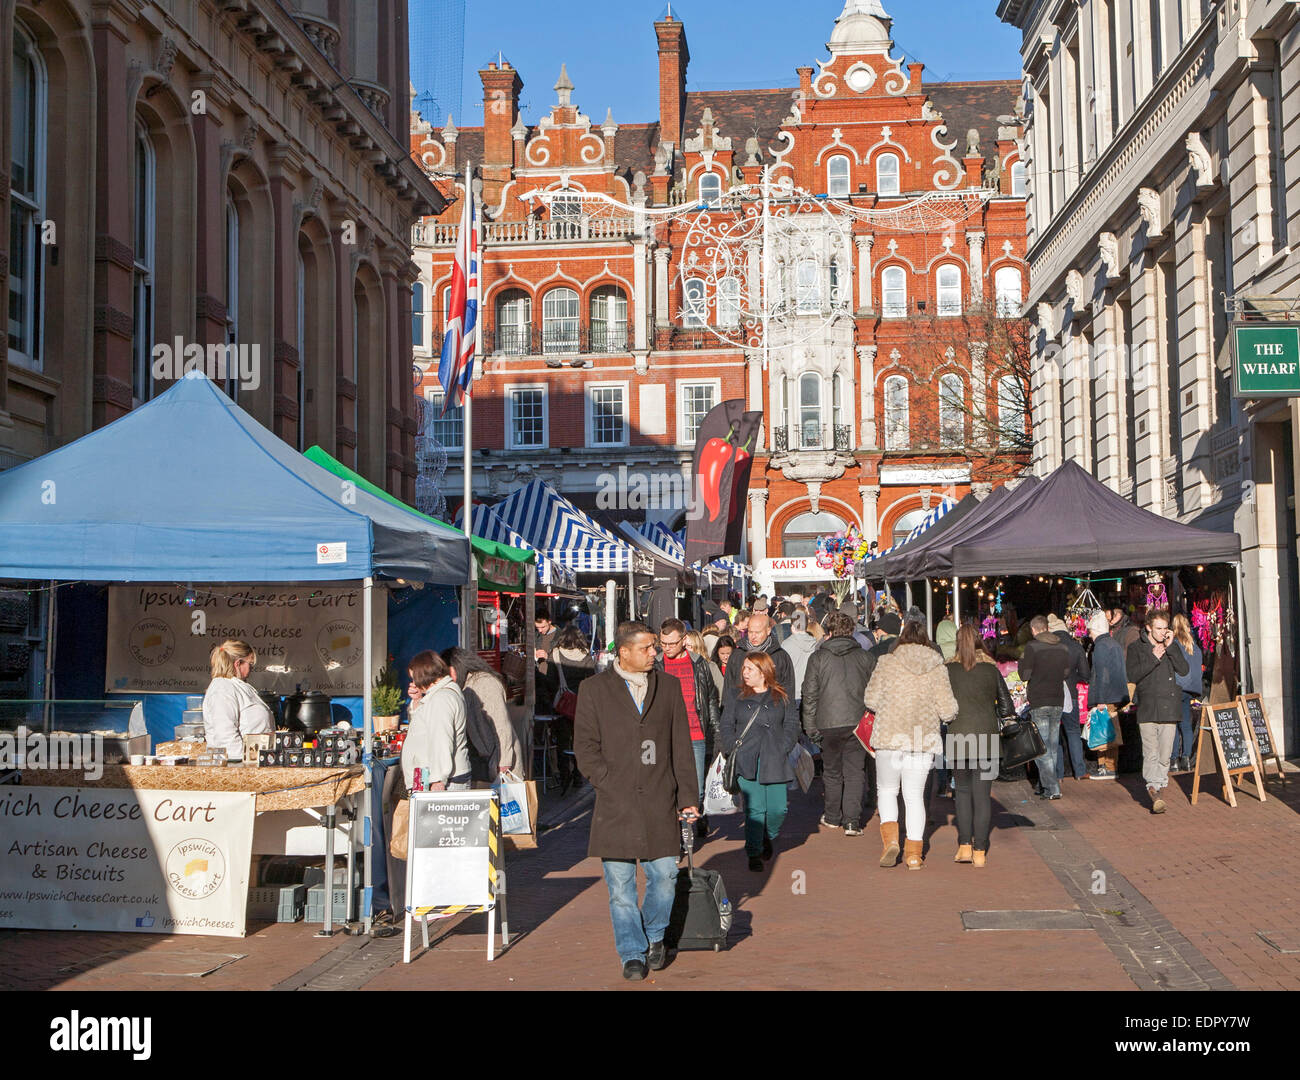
column 528, row 231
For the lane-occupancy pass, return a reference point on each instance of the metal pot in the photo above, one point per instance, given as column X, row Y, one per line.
column 307, row 711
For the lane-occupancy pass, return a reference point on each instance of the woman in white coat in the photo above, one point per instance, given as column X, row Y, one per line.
column 231, row 707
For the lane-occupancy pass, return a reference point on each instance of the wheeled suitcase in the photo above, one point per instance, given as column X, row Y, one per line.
column 701, row 915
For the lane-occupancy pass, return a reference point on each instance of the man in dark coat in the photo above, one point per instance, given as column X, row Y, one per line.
column 759, row 638
column 889, row 625
column 1154, row 664
column 833, row 688
column 1080, row 671
column 633, row 742
column 1044, row 668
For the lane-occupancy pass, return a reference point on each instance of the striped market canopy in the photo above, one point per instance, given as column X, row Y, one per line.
column 489, row 526
column 734, row 570
column 563, row 533
column 946, row 505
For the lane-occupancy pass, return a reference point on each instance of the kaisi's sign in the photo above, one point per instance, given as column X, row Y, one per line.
column 1266, row 360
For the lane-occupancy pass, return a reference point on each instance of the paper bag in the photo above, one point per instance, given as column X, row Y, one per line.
column 518, row 810
column 802, row 763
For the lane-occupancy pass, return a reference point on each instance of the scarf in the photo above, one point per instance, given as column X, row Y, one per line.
column 638, row 682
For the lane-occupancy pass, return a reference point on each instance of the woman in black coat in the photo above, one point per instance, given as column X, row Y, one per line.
column 760, row 724
column 973, row 744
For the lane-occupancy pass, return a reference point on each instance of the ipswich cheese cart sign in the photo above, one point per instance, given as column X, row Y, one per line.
column 1266, row 360
column 144, row 862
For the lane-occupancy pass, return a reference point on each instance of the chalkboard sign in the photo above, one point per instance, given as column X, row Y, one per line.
column 1234, row 749
column 1227, row 721
column 1253, row 706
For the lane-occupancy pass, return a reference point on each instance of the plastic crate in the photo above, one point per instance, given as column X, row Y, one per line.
column 285, row 903
column 315, row 911
column 315, row 875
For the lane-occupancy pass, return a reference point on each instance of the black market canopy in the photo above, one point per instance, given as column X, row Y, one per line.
column 1072, row 523
column 892, row 564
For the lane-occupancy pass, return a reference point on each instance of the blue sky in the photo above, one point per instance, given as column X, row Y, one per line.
column 610, row 46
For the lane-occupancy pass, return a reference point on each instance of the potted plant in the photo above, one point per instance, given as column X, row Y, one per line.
column 385, row 700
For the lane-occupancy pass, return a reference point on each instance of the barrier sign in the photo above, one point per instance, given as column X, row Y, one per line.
column 145, row 862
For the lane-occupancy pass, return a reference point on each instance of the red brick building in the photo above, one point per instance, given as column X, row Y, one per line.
column 610, row 327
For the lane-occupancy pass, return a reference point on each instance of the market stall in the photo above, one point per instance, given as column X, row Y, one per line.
column 189, row 490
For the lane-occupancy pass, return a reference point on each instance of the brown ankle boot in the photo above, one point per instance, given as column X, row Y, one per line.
column 912, row 854
column 889, row 837
column 963, row 853
column 977, row 857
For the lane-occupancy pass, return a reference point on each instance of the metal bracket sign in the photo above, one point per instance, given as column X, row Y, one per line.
column 1265, row 360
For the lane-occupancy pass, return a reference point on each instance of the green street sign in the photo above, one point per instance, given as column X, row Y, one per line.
column 1266, row 360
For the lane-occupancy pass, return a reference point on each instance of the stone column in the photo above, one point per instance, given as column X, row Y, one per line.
column 395, row 366
column 641, row 293
column 979, row 393
column 346, row 411
column 209, row 217
column 754, row 395
column 975, row 242
column 661, row 286
column 758, row 526
column 870, row 520
column 867, row 385
column 283, row 373
column 865, row 244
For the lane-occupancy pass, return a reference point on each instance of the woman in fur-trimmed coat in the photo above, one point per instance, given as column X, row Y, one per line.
column 911, row 696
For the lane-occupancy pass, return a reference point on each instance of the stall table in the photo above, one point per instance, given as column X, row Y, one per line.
column 276, row 789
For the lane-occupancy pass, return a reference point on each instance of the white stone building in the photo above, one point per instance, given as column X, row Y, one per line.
column 1163, row 150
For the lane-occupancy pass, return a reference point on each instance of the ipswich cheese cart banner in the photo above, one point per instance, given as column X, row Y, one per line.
column 147, row 862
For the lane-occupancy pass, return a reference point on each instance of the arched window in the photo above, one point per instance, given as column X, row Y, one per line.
column 800, row 536
column 808, row 287
column 893, row 293
column 897, row 419
column 566, row 217
column 696, row 311
column 26, row 202
column 903, row 526
column 300, row 381
column 1011, row 411
column 1018, row 176
column 887, row 180
column 232, row 290
column 839, row 413
column 952, row 412
column 142, row 277
column 710, row 188
column 810, row 411
column 1009, row 290
column 837, row 175
column 560, row 321
column 948, row 281
column 729, row 301
column 608, row 319
column 514, row 322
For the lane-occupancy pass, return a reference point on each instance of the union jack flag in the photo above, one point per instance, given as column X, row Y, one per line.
column 456, row 366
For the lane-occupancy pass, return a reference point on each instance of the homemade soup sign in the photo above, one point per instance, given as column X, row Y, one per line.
column 151, row 862
column 314, row 637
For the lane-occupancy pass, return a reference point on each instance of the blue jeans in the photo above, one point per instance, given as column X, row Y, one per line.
column 1048, row 721
column 635, row 927
column 1185, row 736
column 765, row 810
column 700, row 747
column 1074, row 739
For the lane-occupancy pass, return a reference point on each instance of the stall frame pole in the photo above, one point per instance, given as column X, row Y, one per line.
column 907, row 594
column 47, row 692
column 956, row 600
column 530, row 668
column 367, row 764
column 631, row 591
column 611, row 613
column 929, row 609
column 1247, row 679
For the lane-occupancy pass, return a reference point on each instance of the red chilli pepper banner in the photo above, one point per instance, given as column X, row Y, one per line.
column 724, row 458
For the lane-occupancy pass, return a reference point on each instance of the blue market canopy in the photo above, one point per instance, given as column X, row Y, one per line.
column 488, row 526
column 189, row 487
column 562, row 532
column 734, row 569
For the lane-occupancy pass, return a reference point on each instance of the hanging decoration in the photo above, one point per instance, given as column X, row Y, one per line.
column 840, row 553
column 1213, row 621
column 1156, row 595
column 1082, row 606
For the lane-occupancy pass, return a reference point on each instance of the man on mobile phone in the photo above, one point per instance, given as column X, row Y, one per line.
column 1154, row 665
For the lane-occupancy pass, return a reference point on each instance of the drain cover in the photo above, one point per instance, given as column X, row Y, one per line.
column 1024, row 920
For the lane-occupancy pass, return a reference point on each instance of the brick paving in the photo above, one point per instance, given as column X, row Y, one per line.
column 1184, row 896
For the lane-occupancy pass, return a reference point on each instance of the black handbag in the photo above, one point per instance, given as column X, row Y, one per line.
column 1021, row 743
column 730, row 778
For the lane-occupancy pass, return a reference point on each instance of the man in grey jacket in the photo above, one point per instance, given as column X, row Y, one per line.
column 1154, row 664
column 833, row 687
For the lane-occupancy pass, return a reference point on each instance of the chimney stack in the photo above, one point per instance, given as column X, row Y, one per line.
column 673, row 58
column 501, row 86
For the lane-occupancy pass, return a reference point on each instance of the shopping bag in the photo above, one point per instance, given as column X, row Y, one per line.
column 717, row 799
column 1101, row 731
column 399, row 828
column 802, row 763
column 863, row 732
column 518, row 809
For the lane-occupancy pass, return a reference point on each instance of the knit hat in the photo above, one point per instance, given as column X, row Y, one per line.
column 890, row 623
column 1055, row 625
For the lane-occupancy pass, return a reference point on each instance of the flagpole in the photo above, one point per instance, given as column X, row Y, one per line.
column 469, row 619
